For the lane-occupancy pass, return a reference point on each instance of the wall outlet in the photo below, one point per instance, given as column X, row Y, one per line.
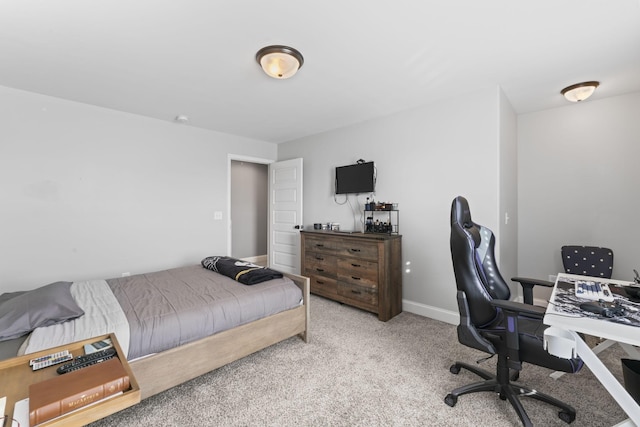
column 217, row 215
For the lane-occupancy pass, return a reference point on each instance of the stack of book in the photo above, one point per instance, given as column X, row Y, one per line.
column 66, row 393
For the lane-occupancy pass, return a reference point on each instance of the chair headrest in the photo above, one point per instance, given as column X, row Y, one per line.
column 460, row 212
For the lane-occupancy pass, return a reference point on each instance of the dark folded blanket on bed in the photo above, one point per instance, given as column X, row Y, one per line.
column 242, row 271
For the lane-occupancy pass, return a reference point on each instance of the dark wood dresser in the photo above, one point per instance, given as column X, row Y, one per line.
column 359, row 269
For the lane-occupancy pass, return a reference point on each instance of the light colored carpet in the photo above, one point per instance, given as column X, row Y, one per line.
column 358, row 371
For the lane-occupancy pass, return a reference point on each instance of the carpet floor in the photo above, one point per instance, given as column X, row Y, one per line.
column 358, row 371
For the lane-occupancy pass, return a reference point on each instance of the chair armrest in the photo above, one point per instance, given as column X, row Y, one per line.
column 520, row 308
column 527, row 286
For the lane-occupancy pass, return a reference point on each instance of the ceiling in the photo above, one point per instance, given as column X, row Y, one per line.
column 362, row 58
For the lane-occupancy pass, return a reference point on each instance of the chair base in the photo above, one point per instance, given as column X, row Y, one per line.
column 507, row 391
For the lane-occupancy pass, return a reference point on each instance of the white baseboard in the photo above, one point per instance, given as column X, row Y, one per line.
column 447, row 316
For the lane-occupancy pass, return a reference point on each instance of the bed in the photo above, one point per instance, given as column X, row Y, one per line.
column 232, row 320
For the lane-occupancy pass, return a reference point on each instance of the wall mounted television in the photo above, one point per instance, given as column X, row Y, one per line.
column 358, row 178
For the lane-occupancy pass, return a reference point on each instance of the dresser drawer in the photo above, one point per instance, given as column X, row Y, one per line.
column 358, row 293
column 324, row 286
column 365, row 250
column 358, row 271
column 319, row 244
column 319, row 263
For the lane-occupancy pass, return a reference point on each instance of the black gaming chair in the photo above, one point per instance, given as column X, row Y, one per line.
column 491, row 323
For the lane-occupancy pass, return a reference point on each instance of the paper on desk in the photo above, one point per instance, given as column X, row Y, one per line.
column 21, row 412
column 3, row 403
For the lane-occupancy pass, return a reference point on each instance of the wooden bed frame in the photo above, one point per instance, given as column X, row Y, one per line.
column 161, row 371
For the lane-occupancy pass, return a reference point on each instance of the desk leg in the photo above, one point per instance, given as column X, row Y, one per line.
column 607, row 379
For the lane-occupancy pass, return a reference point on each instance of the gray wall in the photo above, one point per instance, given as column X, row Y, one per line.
column 249, row 209
column 579, row 175
column 424, row 158
column 90, row 193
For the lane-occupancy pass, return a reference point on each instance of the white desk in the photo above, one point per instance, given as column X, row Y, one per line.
column 562, row 340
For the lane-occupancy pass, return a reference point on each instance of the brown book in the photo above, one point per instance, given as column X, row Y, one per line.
column 65, row 393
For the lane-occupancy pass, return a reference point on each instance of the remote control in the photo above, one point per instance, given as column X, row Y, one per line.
column 87, row 360
column 50, row 359
column 48, row 356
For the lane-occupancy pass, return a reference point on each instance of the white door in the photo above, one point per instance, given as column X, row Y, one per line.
column 285, row 215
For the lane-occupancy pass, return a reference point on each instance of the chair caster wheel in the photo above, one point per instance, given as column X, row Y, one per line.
column 503, row 396
column 451, row 400
column 454, row 369
column 566, row 416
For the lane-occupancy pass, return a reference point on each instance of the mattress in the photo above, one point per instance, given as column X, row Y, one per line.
column 170, row 308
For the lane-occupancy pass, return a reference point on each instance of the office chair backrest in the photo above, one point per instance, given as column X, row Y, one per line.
column 476, row 272
column 591, row 261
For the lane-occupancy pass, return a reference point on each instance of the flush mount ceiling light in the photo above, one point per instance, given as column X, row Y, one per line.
column 579, row 91
column 279, row 62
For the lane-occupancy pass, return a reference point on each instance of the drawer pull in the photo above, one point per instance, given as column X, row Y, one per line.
column 319, row 258
column 356, row 265
column 319, row 245
column 319, row 282
column 355, row 278
column 355, row 292
column 354, row 250
column 320, row 270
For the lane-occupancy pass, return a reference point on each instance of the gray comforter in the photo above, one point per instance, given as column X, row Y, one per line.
column 173, row 307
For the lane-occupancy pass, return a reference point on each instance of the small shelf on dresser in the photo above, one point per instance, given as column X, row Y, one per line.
column 382, row 221
column 359, row 269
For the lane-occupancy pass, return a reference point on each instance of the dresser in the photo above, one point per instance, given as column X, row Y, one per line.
column 359, row 269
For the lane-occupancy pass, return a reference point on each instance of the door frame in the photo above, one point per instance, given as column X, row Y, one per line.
column 248, row 159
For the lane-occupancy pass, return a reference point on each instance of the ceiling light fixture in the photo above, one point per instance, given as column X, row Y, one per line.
column 181, row 118
column 279, row 62
column 579, row 91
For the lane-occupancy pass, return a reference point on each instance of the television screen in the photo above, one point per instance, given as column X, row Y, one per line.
column 358, row 178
